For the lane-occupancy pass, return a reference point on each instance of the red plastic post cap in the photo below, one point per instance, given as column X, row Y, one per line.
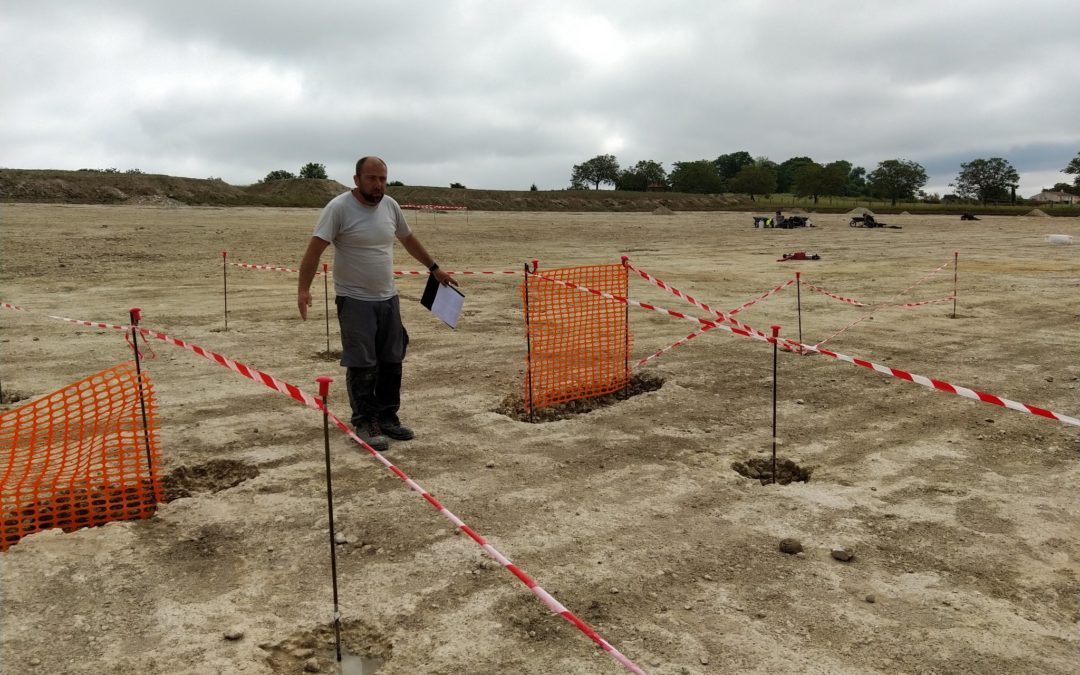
column 324, row 385
column 625, row 259
column 798, row 275
column 224, row 254
column 325, row 266
column 136, row 314
column 535, row 263
column 775, row 330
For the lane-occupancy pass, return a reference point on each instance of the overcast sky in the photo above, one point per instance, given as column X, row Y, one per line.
column 504, row 94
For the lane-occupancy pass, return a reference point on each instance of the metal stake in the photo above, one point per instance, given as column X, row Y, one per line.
column 798, row 295
column 626, row 331
column 775, row 342
column 528, row 349
column 324, row 389
column 225, row 283
column 135, row 313
column 326, row 303
column 955, row 265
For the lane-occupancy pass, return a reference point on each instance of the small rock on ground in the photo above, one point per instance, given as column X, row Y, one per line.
column 790, row 546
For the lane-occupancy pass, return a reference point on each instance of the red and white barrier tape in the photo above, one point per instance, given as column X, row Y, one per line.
column 697, row 303
column 424, row 273
column 415, row 273
column 433, row 207
column 270, row 268
column 796, row 346
column 315, row 402
column 849, row 301
column 761, row 297
column 887, row 303
column 673, row 345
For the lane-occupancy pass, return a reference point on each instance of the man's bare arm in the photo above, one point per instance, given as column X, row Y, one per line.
column 417, row 250
column 307, row 273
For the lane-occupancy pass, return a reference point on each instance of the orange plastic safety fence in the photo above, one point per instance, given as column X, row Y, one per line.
column 79, row 457
column 579, row 343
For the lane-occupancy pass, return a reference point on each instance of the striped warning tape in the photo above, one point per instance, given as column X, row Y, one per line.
column 415, row 273
column 424, row 273
column 433, row 207
column 697, row 303
column 270, row 268
column 673, row 345
column 761, row 297
column 857, row 303
column 888, row 304
column 317, row 403
column 796, row 346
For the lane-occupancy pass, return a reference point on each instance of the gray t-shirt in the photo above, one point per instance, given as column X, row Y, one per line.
column 363, row 239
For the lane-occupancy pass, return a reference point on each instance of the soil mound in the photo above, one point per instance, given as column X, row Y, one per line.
column 662, row 211
column 1037, row 213
column 861, row 211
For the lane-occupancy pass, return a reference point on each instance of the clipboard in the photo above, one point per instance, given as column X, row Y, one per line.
column 444, row 302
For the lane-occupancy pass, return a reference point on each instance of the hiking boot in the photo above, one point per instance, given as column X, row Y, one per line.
column 392, row 427
column 370, row 433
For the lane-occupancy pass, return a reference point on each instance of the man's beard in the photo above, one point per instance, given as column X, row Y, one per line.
column 370, row 197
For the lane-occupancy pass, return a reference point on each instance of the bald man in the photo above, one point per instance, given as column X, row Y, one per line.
column 362, row 225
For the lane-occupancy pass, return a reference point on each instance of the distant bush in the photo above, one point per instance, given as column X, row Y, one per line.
column 532, row 188
column 134, row 171
column 396, row 183
column 278, row 174
column 457, row 186
column 313, row 170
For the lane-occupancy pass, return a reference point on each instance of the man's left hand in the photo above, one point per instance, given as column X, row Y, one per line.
column 443, row 278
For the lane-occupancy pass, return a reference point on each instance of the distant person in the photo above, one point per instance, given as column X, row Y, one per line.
column 779, row 219
column 362, row 225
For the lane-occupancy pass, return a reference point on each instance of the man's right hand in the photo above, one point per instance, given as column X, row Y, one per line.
column 303, row 301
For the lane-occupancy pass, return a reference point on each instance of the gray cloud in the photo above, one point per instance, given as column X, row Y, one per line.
column 503, row 95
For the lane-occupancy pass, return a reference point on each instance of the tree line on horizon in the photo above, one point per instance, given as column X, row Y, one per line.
column 982, row 180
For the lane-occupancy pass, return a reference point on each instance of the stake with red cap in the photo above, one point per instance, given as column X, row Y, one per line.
column 324, row 389
column 775, row 342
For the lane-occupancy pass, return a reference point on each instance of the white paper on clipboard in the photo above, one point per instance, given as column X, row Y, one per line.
column 445, row 302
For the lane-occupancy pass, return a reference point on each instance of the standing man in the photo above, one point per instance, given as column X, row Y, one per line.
column 362, row 225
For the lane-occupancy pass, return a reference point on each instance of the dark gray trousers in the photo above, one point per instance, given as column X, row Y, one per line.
column 373, row 346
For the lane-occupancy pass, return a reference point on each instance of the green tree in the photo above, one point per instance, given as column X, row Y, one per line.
column 278, row 174
column 313, row 170
column 757, row 179
column 834, row 182
column 600, row 169
column 1074, row 167
column 815, row 180
column 533, row 188
column 986, row 179
column 457, row 186
column 1065, row 187
column 896, row 179
column 856, row 182
column 645, row 175
column 785, row 173
column 698, row 176
column 731, row 164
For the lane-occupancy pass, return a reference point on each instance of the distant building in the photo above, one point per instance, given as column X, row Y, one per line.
column 1052, row 197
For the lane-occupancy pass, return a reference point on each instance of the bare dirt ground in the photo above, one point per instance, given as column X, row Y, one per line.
column 962, row 515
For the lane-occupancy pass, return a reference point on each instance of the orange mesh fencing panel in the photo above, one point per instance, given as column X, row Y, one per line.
column 79, row 457
column 579, row 343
